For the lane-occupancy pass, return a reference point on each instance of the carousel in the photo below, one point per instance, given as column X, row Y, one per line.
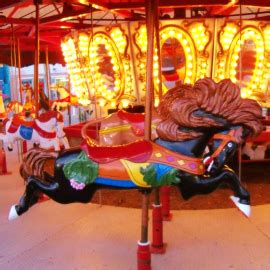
column 160, row 94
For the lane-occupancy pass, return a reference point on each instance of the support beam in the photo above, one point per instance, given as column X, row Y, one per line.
column 66, row 16
column 10, row 3
column 224, row 10
column 169, row 3
column 186, row 4
column 14, row 21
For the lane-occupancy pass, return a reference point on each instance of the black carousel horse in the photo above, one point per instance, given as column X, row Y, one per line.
column 177, row 157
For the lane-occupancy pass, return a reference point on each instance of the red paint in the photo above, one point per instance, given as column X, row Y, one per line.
column 143, row 257
column 131, row 117
column 139, row 151
column 47, row 116
column 44, row 134
column 165, row 201
column 3, row 163
column 157, row 231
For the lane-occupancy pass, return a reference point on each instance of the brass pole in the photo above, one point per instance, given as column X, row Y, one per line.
column 151, row 9
column 14, row 61
column 36, row 71
column 19, row 70
column 149, row 67
column 157, row 38
column 48, row 75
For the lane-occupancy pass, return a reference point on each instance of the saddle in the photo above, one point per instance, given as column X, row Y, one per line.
column 139, row 151
column 18, row 121
column 136, row 121
column 131, row 118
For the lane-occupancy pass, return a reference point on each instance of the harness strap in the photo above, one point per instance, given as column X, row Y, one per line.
column 225, row 139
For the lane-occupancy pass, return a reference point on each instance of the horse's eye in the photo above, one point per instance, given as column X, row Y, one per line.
column 230, row 144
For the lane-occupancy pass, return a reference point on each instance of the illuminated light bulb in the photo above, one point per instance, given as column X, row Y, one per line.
column 243, row 94
column 185, row 42
column 188, row 49
column 171, row 33
column 179, row 35
column 125, row 102
column 189, row 73
column 156, row 65
column 190, row 65
column 188, row 80
column 155, row 58
column 102, row 103
column 221, row 77
column 203, row 64
column 164, row 36
column 190, row 57
column 249, row 92
column 201, row 47
column 156, row 102
column 155, row 73
column 236, row 56
column 113, row 104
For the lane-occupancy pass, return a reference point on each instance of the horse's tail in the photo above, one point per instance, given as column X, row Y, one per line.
column 35, row 163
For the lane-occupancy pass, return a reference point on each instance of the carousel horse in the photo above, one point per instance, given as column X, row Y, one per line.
column 65, row 99
column 190, row 118
column 45, row 130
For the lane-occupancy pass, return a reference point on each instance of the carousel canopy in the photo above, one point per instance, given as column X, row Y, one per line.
column 18, row 20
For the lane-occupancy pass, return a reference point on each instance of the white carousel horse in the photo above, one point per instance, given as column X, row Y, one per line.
column 46, row 130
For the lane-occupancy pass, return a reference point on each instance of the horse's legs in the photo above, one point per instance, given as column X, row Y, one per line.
column 31, row 196
column 194, row 185
column 60, row 192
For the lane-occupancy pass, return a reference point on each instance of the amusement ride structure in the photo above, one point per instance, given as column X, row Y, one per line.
column 199, row 70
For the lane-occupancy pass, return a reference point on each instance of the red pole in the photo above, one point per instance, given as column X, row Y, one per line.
column 165, row 201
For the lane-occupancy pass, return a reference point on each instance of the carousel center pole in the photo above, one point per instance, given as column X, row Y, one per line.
column 143, row 251
column 36, row 71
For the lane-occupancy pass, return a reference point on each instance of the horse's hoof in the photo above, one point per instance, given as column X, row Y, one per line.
column 10, row 149
column 13, row 213
column 244, row 208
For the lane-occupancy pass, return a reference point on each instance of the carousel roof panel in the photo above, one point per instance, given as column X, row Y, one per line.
column 57, row 18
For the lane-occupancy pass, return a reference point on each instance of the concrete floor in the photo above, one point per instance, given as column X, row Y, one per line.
column 53, row 236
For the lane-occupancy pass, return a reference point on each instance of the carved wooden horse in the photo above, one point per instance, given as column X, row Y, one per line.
column 46, row 130
column 189, row 119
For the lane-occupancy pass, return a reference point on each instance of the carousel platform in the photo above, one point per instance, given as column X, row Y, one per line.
column 94, row 237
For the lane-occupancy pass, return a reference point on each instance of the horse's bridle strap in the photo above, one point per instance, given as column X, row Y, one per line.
column 225, row 139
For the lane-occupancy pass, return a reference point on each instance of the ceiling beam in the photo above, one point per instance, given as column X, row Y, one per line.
column 225, row 9
column 10, row 3
column 168, row 3
column 24, row 21
column 65, row 16
column 187, row 4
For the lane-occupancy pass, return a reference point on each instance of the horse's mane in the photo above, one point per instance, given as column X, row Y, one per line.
column 221, row 99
